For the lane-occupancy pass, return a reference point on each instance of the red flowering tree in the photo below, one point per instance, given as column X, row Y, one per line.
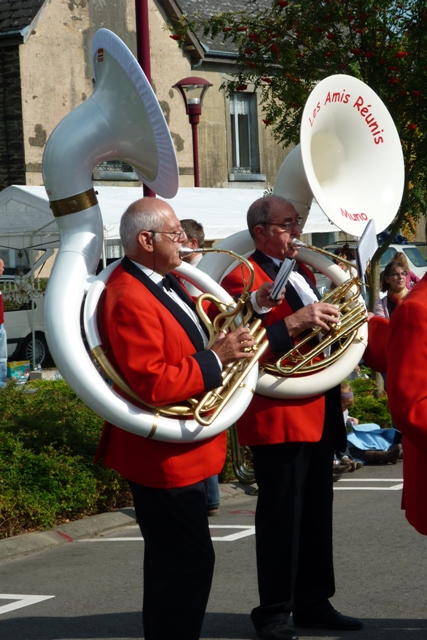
column 285, row 47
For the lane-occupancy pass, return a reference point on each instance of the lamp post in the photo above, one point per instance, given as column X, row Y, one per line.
column 193, row 90
column 143, row 54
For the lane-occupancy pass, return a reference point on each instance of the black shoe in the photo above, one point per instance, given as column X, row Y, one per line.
column 277, row 631
column 330, row 620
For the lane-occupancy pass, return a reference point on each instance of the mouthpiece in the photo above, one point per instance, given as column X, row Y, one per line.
column 185, row 251
column 297, row 243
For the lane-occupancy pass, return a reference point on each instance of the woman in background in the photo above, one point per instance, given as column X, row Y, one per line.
column 345, row 253
column 394, row 285
column 411, row 277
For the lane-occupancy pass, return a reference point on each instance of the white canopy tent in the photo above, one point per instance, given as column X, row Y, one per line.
column 27, row 221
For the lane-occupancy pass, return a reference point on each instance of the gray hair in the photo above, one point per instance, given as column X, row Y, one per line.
column 194, row 229
column 260, row 211
column 134, row 220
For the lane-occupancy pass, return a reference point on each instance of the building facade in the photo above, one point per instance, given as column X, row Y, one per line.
column 46, row 72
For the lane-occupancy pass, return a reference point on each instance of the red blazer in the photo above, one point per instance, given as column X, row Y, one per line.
column 267, row 420
column 375, row 355
column 159, row 351
column 407, row 397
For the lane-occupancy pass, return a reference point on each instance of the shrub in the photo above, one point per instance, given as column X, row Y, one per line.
column 48, row 439
column 368, row 408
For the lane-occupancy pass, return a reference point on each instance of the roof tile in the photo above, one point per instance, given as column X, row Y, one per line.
column 15, row 15
column 207, row 8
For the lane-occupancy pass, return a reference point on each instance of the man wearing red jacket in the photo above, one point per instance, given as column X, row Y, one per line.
column 292, row 443
column 154, row 338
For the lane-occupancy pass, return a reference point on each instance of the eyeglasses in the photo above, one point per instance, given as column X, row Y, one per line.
column 286, row 226
column 402, row 274
column 176, row 235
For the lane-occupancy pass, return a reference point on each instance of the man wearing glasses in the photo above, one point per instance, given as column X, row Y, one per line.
column 292, row 442
column 153, row 336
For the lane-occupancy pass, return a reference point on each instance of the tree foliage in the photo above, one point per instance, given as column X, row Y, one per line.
column 284, row 48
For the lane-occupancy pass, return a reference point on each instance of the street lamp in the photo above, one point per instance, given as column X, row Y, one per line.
column 193, row 90
column 143, row 54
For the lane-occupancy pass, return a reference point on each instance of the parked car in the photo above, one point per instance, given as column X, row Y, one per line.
column 19, row 319
column 416, row 261
column 18, row 324
column 422, row 248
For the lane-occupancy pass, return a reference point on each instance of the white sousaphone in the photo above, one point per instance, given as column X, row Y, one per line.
column 122, row 120
column 350, row 159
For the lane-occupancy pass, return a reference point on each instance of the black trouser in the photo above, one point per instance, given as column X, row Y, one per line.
column 293, row 528
column 178, row 561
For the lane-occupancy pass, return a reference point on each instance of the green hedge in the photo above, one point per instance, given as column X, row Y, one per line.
column 367, row 407
column 48, row 439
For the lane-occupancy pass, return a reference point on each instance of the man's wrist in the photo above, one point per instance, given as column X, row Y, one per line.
column 217, row 357
column 256, row 306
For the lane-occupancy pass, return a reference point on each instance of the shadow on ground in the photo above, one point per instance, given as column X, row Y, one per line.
column 217, row 626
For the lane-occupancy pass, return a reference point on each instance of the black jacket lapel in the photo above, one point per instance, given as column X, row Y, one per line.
column 265, row 263
column 182, row 293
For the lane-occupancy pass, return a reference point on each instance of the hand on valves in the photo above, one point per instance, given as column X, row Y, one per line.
column 317, row 314
column 236, row 345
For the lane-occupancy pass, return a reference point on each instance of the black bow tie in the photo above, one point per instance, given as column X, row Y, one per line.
column 276, row 268
column 164, row 282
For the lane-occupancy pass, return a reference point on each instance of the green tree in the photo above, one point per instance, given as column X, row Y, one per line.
column 285, row 47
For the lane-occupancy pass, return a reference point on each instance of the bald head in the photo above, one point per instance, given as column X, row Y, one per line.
column 152, row 235
column 142, row 215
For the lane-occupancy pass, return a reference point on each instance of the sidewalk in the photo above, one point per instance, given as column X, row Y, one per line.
column 65, row 533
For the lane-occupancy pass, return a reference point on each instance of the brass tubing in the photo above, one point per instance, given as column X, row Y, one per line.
column 234, row 386
column 353, row 316
column 298, row 244
column 230, row 317
column 243, row 473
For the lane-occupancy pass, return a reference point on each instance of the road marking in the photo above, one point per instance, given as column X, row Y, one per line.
column 393, row 487
column 242, row 532
column 128, row 539
column 371, row 480
column 245, row 530
column 20, row 601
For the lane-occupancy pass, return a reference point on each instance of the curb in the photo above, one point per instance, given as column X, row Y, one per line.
column 11, row 548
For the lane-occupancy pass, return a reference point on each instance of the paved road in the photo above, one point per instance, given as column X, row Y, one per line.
column 90, row 573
